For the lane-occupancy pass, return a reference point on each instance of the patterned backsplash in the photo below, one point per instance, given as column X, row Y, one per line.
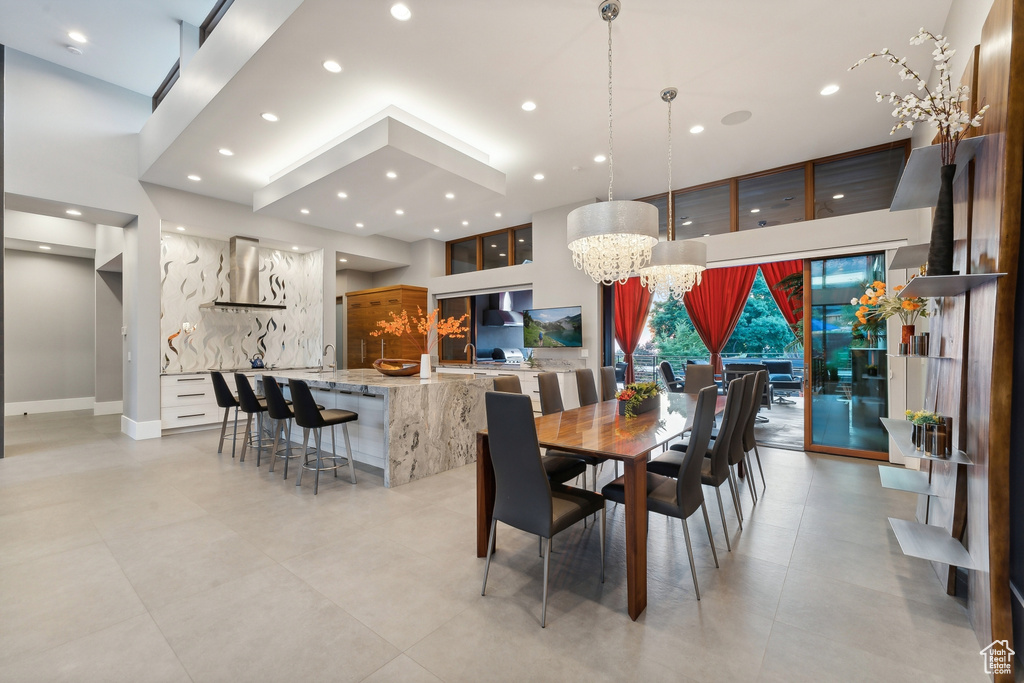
column 194, row 271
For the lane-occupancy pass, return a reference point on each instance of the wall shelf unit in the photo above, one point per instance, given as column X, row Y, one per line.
column 930, row 543
column 900, row 431
column 911, row 256
column 900, row 479
column 919, row 185
column 945, row 285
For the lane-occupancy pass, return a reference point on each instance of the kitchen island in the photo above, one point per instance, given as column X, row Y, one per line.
column 409, row 427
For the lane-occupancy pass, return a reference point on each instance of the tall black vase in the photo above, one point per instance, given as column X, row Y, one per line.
column 940, row 251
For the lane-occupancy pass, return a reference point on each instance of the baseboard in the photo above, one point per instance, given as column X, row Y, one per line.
column 140, row 430
column 57, row 405
column 107, row 407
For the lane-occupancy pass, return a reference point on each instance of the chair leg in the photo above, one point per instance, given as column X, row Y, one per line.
column 735, row 499
column 318, row 434
column 348, row 449
column 490, row 549
column 288, row 455
column 689, row 553
column 305, row 449
column 544, row 597
column 278, row 426
column 334, row 451
column 757, row 455
column 707, row 525
column 234, row 434
column 750, row 478
column 259, row 437
column 540, row 546
column 721, row 510
column 223, row 430
column 245, row 442
column 602, row 542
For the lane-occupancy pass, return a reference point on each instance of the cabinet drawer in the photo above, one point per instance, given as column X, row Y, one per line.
column 186, row 395
column 191, row 381
column 187, row 416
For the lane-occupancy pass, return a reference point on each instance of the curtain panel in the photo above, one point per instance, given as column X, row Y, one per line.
column 792, row 309
column 632, row 302
column 716, row 304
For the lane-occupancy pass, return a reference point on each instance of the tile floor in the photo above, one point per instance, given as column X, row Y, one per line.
column 162, row 561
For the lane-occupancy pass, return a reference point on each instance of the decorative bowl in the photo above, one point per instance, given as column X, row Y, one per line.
column 396, row 367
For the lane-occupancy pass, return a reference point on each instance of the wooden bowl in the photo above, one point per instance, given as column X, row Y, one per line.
column 396, row 367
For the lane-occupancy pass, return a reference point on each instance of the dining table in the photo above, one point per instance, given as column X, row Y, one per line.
column 599, row 430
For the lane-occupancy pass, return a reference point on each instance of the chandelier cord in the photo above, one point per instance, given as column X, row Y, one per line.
column 611, row 157
column 670, row 212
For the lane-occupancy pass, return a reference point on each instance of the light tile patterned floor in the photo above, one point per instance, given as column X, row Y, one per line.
column 163, row 561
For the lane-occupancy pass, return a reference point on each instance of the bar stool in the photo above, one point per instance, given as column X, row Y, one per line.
column 250, row 404
column 227, row 401
column 310, row 416
column 279, row 410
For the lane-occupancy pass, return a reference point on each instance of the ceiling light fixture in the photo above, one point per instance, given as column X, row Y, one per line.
column 707, row 234
column 697, row 129
column 437, row 229
column 830, row 89
column 497, row 214
column 600, row 159
column 267, row 116
column 465, row 222
column 45, row 247
column 332, row 66
column 304, row 211
column 687, row 222
column 194, row 178
column 399, row 212
column 675, row 266
column 343, row 260
column 391, row 174
column 529, row 106
column 838, row 196
column 755, row 211
column 73, row 50
column 521, row 239
column 181, row 228
column 449, row 195
column 502, row 254
column 295, row 248
column 538, row 176
column 73, row 212
column 359, row 225
column 226, row 152
column 401, row 12
column 494, row 246
column 611, row 240
column 342, row 195
column 77, row 37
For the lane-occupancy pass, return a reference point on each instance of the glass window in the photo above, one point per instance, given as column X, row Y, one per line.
column 523, row 244
column 451, row 348
column 463, row 256
column 857, row 184
column 701, row 213
column 774, row 199
column 495, row 250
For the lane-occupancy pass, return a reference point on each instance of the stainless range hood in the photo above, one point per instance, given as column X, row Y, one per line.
column 243, row 277
column 500, row 313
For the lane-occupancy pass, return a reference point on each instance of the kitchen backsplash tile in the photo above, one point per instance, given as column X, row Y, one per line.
column 194, row 270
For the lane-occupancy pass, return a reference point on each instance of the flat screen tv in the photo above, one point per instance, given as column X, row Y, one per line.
column 552, row 327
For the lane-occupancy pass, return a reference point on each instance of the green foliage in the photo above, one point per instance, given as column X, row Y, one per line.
column 672, row 330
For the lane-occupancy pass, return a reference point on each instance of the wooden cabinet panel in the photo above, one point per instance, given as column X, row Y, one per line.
column 365, row 308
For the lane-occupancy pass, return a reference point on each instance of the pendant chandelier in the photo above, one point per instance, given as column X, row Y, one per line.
column 675, row 266
column 612, row 240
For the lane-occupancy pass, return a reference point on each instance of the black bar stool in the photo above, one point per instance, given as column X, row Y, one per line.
column 280, row 410
column 251, row 405
column 227, row 401
column 309, row 416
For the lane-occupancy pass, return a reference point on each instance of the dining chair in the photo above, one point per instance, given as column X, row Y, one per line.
column 523, row 496
column 698, row 377
column 609, row 385
column 551, row 402
column 681, row 496
column 748, row 411
column 715, row 470
column 749, row 441
column 587, row 387
column 669, row 377
column 559, row 468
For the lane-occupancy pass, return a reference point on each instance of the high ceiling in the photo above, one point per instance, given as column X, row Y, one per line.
column 465, row 67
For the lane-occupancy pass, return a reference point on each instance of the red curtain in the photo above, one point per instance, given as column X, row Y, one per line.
column 775, row 272
column 631, row 306
column 716, row 304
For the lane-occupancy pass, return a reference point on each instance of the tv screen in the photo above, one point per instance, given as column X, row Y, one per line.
column 552, row 327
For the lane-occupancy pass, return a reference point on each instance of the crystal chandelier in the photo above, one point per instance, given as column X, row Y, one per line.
column 612, row 240
column 675, row 266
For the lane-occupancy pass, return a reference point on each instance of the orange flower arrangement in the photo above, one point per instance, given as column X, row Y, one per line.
column 423, row 325
column 875, row 304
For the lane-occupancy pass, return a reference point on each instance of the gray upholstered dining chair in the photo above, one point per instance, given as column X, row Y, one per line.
column 749, row 442
column 508, row 383
column 681, row 496
column 748, row 412
column 609, row 385
column 551, row 402
column 715, row 470
column 523, row 497
column 587, row 387
column 697, row 377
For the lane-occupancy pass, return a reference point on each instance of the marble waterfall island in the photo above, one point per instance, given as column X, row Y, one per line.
column 410, row 427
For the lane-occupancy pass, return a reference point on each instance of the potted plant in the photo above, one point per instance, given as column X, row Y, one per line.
column 638, row 397
column 426, row 330
column 875, row 306
column 942, row 107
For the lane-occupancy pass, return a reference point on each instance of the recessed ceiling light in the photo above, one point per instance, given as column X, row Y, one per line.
column 449, row 195
column 697, row 129
column 194, row 178
column 465, row 222
column 755, row 211
column 437, row 229
column 77, row 37
column 521, row 239
column 332, row 66
column 342, row 195
column 226, row 152
column 538, row 176
column 497, row 214
column 400, row 212
column 838, row 196
column 529, row 106
column 359, row 225
column 494, row 246
column 707, row 234
column 400, row 12
column 502, row 254
column 391, row 174
column 830, row 89
column 295, row 248
column 73, row 212
column 687, row 222
column 181, row 228
column 73, row 50
column 343, row 260
column 306, row 211
column 45, row 247
column 267, row 116
column 600, row 158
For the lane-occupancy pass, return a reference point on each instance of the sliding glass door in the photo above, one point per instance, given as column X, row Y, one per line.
column 847, row 386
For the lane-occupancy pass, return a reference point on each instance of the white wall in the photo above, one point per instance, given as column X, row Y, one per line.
column 49, row 329
column 109, row 357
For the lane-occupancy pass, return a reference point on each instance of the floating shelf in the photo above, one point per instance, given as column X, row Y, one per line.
column 228, row 306
column 913, row 256
column 930, row 543
column 900, row 431
column 945, row 285
column 900, row 479
column 919, row 184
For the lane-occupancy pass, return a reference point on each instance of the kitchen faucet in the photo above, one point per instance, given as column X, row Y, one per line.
column 472, row 359
column 333, row 365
